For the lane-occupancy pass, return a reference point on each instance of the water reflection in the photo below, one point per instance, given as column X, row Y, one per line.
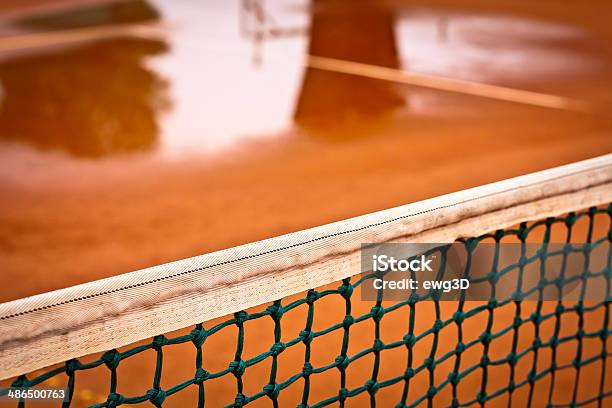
column 330, row 101
column 90, row 100
column 94, row 15
column 220, row 99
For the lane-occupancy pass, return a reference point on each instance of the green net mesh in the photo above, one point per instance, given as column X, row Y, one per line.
column 438, row 373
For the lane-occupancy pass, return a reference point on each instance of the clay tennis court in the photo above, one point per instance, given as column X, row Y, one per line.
column 106, row 204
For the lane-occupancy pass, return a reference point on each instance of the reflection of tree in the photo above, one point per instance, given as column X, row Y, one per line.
column 359, row 32
column 90, row 15
column 90, row 100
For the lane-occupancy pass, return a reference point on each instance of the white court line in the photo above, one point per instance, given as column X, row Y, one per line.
column 447, row 84
column 28, row 41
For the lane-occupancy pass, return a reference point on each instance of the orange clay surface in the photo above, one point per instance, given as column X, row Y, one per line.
column 65, row 222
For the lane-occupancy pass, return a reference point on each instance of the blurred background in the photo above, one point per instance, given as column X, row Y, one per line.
column 138, row 132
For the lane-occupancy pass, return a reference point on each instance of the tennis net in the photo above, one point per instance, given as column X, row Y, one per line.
column 283, row 323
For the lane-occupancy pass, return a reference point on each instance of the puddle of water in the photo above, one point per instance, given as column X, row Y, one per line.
column 88, row 100
column 220, row 95
column 90, row 109
column 489, row 49
column 492, row 49
column 208, row 85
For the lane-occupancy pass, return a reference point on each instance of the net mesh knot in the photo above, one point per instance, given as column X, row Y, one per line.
column 272, row 390
column 307, row 369
column 348, row 321
column 343, row 393
column 512, row 359
column 21, row 381
column 372, row 386
column 240, row 317
column 158, row 342
column 276, row 311
column 454, row 378
column 409, row 340
column 522, row 232
column 201, row 375
column 485, row 338
column 458, row 317
column 111, row 358
column 570, row 219
column 536, row 318
column 156, row 396
column 240, row 400
column 72, row 365
column 568, row 248
column 345, row 290
column 277, row 348
column 377, row 312
column 114, row 400
column 554, row 341
column 471, row 243
column 378, row 345
column 342, row 362
column 499, row 234
column 409, row 373
column 437, row 325
column 429, row 362
column 431, row 392
column 493, row 277
column 306, row 336
column 237, row 367
column 531, row 376
column 199, row 335
column 482, row 397
column 312, row 296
